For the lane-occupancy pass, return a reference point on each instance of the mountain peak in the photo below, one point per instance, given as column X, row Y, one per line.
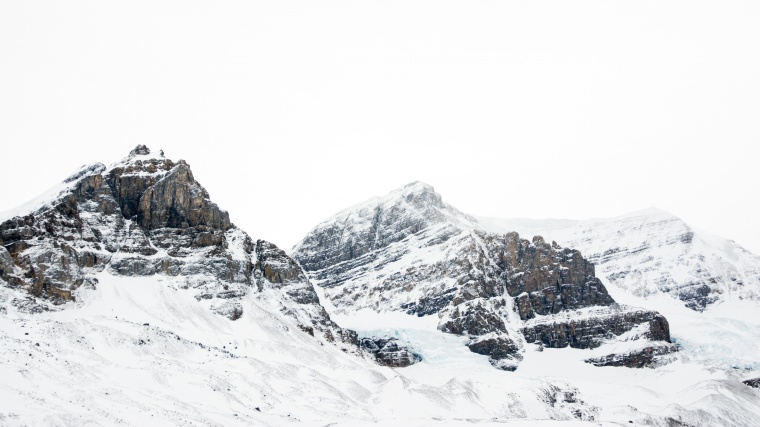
column 140, row 150
column 418, row 187
column 651, row 211
column 417, row 194
column 410, row 191
column 141, row 156
column 381, row 221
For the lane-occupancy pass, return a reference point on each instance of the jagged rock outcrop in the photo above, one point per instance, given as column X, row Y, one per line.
column 754, row 382
column 646, row 357
column 389, row 351
column 147, row 215
column 7, row 266
column 502, row 351
column 409, row 251
column 591, row 331
column 544, row 279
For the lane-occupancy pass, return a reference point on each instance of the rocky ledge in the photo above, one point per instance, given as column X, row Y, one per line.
column 389, row 351
column 647, row 357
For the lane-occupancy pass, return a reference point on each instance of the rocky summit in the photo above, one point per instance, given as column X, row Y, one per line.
column 147, row 215
column 409, row 251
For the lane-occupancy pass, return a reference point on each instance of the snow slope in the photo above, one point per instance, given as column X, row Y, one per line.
column 139, row 351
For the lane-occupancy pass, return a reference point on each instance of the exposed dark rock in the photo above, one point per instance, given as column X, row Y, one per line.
column 697, row 295
column 281, row 271
column 6, row 263
column 648, row 357
column 276, row 265
column 177, row 201
column 592, row 331
column 389, row 351
column 430, row 304
column 501, row 350
column 754, row 382
column 544, row 278
column 473, row 319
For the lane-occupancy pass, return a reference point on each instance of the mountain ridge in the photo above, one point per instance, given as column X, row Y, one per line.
column 412, row 252
column 652, row 251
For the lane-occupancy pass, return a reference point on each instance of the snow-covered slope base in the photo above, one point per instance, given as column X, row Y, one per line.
column 140, row 351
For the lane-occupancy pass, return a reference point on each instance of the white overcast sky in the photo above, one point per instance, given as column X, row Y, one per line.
column 289, row 111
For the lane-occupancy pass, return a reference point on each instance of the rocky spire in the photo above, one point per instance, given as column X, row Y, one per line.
column 140, row 150
column 159, row 193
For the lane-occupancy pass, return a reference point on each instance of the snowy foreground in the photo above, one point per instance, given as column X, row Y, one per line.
column 141, row 351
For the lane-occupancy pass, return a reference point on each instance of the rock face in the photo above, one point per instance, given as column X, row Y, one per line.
column 147, row 215
column 591, row 331
column 411, row 252
column 502, row 351
column 653, row 251
column 389, row 351
column 645, row 357
column 754, row 382
column 544, row 279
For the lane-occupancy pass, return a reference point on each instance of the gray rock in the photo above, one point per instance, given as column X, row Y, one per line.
column 177, row 201
column 591, row 332
column 6, row 263
column 647, row 357
column 389, row 351
column 501, row 350
column 473, row 319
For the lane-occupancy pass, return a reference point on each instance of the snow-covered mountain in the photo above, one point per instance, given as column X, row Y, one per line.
column 409, row 254
column 142, row 216
column 409, row 251
column 127, row 297
column 653, row 251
